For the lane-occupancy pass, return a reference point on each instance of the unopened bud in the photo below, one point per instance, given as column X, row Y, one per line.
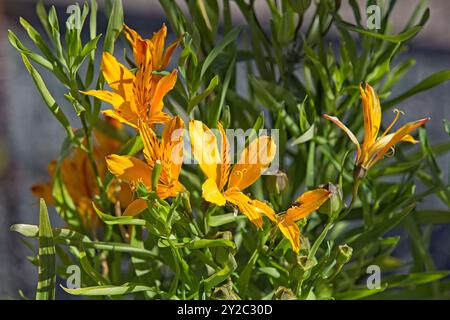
column 277, row 183
column 226, row 117
column 302, row 268
column 334, row 205
column 225, row 292
column 344, row 254
column 284, row 293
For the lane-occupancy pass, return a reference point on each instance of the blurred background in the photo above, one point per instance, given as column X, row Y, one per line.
column 30, row 138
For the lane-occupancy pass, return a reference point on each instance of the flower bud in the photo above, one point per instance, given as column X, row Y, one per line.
column 225, row 120
column 334, row 205
column 277, row 183
column 225, row 292
column 344, row 254
column 302, row 268
column 284, row 293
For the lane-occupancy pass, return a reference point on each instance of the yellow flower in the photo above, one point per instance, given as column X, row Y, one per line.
column 170, row 154
column 374, row 147
column 78, row 178
column 216, row 166
column 135, row 97
column 160, row 57
column 306, row 204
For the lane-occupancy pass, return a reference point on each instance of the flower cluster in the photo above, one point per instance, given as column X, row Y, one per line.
column 137, row 97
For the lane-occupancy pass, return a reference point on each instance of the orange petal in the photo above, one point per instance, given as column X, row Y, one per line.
column 291, row 231
column 135, row 207
column 129, row 169
column 265, row 209
column 117, row 116
column 253, row 161
column 173, row 147
column 225, row 155
column 347, row 131
column 164, row 85
column 245, row 205
column 372, row 115
column 158, row 41
column 399, row 135
column 211, row 193
column 169, row 52
column 307, row 203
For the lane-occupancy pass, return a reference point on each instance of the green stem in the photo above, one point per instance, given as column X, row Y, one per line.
column 352, row 202
column 319, row 240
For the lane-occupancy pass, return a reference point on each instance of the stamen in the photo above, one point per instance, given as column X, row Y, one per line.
column 398, row 112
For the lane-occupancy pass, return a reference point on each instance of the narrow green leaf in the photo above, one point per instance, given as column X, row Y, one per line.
column 47, row 260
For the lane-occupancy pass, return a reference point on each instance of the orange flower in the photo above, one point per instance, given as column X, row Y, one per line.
column 169, row 152
column 306, row 204
column 160, row 57
column 374, row 147
column 79, row 180
column 216, row 166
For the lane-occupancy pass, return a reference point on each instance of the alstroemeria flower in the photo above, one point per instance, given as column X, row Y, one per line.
column 160, row 57
column 170, row 154
column 223, row 184
column 374, row 147
column 135, row 97
column 78, row 177
column 306, row 204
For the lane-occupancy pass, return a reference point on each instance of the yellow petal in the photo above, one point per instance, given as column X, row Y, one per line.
column 253, row 161
column 135, row 207
column 152, row 148
column 245, row 205
column 372, row 115
column 399, row 135
column 211, row 193
column 307, row 203
column 265, row 209
column 347, row 131
column 205, row 149
column 129, row 169
column 112, row 98
column 119, row 78
column 291, row 231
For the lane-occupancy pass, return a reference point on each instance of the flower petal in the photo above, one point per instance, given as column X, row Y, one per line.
column 225, row 155
column 252, row 163
column 163, row 86
column 205, row 149
column 399, row 135
column 291, row 231
column 265, row 209
column 245, row 205
column 135, row 207
column 129, row 169
column 307, row 203
column 211, row 193
column 119, row 78
column 347, row 131
column 372, row 115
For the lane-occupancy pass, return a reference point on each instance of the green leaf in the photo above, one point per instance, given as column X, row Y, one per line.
column 229, row 38
column 305, row 137
column 396, row 38
column 73, row 238
column 110, row 290
column 432, row 216
column 48, row 98
column 357, row 294
column 47, row 261
column 198, row 98
column 113, row 220
column 220, row 220
column 115, row 25
column 401, row 280
column 428, row 83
